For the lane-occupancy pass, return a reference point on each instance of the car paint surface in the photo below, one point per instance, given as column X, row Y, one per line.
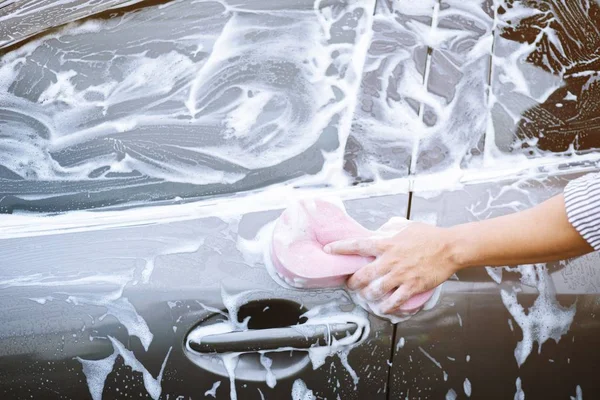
column 145, row 145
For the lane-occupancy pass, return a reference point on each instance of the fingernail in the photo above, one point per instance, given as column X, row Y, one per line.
column 327, row 249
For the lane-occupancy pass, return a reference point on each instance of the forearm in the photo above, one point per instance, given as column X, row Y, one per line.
column 540, row 234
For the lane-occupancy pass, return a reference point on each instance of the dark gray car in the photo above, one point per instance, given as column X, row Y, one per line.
column 146, row 145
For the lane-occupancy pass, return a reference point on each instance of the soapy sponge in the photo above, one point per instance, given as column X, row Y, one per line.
column 297, row 248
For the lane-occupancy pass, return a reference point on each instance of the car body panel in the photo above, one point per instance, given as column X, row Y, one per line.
column 65, row 295
column 142, row 143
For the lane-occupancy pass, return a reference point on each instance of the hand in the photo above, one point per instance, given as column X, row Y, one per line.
column 416, row 259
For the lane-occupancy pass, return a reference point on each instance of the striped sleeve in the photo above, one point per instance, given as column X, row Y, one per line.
column 582, row 200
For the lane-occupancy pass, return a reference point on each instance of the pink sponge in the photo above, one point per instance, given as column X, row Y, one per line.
column 297, row 248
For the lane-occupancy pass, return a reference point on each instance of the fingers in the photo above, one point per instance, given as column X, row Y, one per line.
column 366, row 275
column 376, row 289
column 363, row 247
column 392, row 304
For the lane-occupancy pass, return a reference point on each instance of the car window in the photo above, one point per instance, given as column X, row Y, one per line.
column 130, row 103
column 175, row 100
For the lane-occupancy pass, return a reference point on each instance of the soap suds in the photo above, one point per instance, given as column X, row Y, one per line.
column 433, row 360
column 266, row 362
column 519, row 394
column 343, row 355
column 451, row 395
column 578, row 394
column 121, row 309
column 301, row 392
column 400, row 344
column 546, row 319
column 467, row 387
column 96, row 371
column 495, row 274
column 324, row 314
column 152, row 385
column 230, row 362
column 110, row 297
column 212, row 392
column 41, row 300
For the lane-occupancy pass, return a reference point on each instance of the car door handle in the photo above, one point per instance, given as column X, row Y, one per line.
column 297, row 336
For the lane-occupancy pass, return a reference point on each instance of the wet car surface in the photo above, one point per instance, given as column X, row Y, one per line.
column 144, row 147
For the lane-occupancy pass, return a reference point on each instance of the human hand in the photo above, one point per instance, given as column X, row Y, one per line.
column 412, row 261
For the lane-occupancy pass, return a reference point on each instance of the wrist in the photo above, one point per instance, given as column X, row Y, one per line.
column 461, row 247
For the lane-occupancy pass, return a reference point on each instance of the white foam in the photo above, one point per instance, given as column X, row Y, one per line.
column 578, row 394
column 400, row 344
column 495, row 274
column 467, row 387
column 152, row 385
column 329, row 314
column 451, row 395
column 96, row 371
column 433, row 360
column 519, row 394
column 213, row 390
column 343, row 355
column 570, row 97
column 230, row 362
column 120, row 308
column 112, row 299
column 42, row 300
column 180, row 247
column 266, row 362
column 546, row 319
column 301, row 392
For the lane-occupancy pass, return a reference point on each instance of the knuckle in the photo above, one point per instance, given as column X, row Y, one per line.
column 381, row 245
column 399, row 271
column 388, row 285
column 403, row 296
column 352, row 282
column 357, row 281
column 416, row 281
column 363, row 246
column 399, row 300
column 376, row 289
column 381, row 267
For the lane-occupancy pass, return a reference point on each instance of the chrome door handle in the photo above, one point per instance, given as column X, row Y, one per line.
column 299, row 336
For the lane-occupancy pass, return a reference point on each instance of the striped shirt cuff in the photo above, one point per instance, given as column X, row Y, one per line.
column 582, row 200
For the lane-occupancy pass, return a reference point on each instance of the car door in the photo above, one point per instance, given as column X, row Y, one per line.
column 106, row 312
column 501, row 332
column 112, row 125
column 526, row 331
